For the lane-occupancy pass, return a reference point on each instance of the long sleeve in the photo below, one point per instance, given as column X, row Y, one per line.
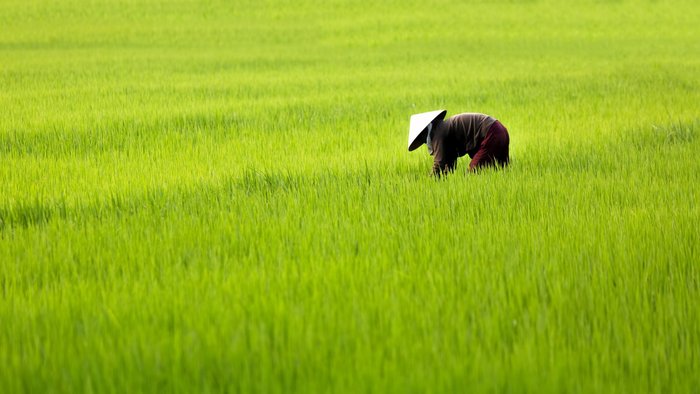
column 445, row 158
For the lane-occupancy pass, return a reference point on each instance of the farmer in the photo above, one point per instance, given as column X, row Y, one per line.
column 480, row 136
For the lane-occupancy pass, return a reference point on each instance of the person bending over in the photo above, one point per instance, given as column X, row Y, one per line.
column 480, row 136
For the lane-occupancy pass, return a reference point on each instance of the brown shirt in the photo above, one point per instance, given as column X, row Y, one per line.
column 457, row 136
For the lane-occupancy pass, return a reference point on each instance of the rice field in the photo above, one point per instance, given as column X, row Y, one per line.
column 211, row 196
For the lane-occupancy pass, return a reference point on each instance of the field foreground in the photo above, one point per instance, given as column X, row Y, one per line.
column 207, row 197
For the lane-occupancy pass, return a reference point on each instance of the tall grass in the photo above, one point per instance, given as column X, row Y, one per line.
column 212, row 196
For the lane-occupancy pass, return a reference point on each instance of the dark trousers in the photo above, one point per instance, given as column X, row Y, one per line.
column 493, row 149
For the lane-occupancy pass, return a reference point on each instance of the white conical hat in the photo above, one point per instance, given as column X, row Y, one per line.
column 418, row 123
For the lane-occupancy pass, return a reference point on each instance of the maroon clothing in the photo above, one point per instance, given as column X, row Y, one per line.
column 493, row 149
column 466, row 134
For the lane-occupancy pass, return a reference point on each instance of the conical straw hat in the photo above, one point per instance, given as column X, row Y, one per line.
column 418, row 123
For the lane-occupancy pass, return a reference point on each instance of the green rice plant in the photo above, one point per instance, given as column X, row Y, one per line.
column 217, row 197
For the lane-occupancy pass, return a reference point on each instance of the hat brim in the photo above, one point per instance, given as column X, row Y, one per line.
column 419, row 122
column 419, row 140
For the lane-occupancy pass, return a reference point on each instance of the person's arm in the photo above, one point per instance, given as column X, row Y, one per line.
column 445, row 160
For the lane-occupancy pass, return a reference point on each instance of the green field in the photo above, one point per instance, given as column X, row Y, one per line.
column 217, row 197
